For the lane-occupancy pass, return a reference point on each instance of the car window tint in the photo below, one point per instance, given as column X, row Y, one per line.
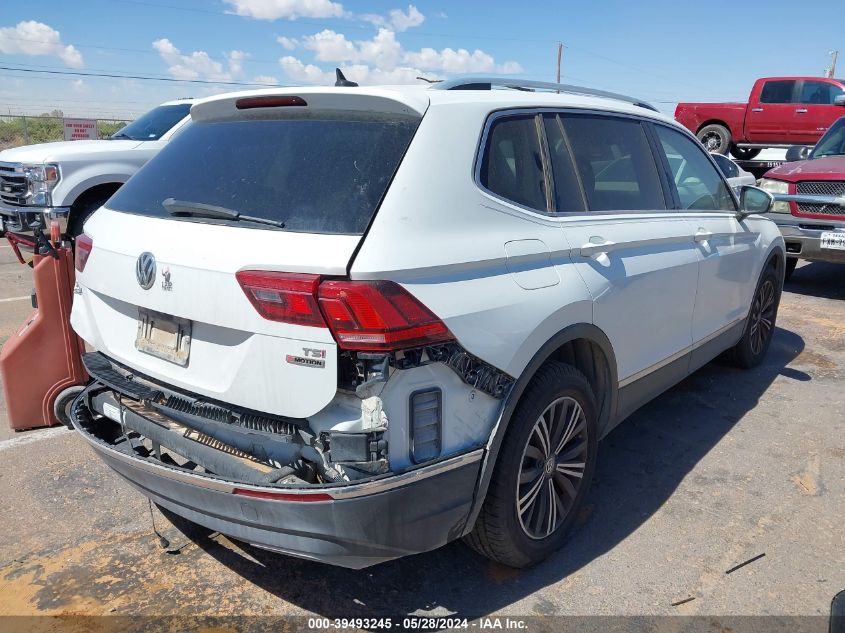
column 697, row 181
column 819, row 93
column 512, row 166
column 614, row 162
column 777, row 92
column 567, row 194
column 728, row 167
column 317, row 175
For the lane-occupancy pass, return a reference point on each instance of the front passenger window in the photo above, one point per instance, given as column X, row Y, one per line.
column 697, row 181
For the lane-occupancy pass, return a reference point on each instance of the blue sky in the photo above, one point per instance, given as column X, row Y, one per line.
column 663, row 52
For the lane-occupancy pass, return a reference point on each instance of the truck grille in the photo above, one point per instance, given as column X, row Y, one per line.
column 12, row 184
column 821, row 188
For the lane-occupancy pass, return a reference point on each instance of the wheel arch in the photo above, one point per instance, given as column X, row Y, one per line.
column 704, row 124
column 585, row 347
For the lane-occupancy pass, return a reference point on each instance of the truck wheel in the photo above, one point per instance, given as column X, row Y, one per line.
column 791, row 263
column 715, row 138
column 543, row 472
column 79, row 214
column 741, row 153
column 760, row 325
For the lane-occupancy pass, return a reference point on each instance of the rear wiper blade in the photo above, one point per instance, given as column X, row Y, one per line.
column 183, row 208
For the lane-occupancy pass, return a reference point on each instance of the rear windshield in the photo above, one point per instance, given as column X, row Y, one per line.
column 154, row 124
column 316, row 176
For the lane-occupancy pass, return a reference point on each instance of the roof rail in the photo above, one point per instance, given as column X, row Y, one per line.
column 488, row 83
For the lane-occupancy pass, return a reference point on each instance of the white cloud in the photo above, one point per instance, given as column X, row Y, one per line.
column 289, row 9
column 306, row 73
column 383, row 54
column 197, row 65
column 236, row 59
column 36, row 38
column 265, row 79
column 404, row 21
column 288, row 43
column 459, row 61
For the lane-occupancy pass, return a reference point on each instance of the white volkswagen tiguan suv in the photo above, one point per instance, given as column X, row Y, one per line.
column 351, row 324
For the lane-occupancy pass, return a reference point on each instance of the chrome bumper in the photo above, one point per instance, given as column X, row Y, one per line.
column 803, row 239
column 19, row 219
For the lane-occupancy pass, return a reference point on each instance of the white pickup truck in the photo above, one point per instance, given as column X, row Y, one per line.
column 68, row 181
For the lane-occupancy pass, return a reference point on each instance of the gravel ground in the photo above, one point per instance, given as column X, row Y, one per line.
column 726, row 466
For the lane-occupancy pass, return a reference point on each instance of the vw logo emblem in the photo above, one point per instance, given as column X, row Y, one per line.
column 145, row 270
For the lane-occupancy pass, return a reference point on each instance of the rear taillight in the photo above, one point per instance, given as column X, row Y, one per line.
column 286, row 297
column 376, row 316
column 84, row 245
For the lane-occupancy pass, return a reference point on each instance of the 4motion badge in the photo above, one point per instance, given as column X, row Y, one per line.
column 311, row 357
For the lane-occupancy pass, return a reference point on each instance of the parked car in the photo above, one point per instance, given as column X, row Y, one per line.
column 781, row 111
column 357, row 323
column 736, row 176
column 811, row 208
column 69, row 180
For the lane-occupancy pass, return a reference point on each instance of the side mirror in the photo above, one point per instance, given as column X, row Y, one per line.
column 840, row 100
column 797, row 152
column 754, row 200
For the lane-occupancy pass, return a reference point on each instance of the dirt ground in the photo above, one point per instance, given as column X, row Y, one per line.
column 726, row 466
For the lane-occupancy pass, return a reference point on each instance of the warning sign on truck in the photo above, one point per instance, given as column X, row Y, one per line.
column 79, row 129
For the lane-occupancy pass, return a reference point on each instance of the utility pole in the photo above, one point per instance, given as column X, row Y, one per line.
column 831, row 71
column 559, row 57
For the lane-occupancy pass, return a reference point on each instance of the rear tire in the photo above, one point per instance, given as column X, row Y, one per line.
column 744, row 154
column 791, row 263
column 543, row 472
column 760, row 324
column 715, row 138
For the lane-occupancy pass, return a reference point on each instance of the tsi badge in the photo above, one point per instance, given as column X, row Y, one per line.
column 311, row 357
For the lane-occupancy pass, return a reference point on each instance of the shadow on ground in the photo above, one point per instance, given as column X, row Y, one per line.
column 641, row 463
column 818, row 279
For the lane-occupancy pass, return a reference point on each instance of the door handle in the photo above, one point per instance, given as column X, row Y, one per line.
column 801, row 110
column 702, row 235
column 597, row 244
column 756, row 109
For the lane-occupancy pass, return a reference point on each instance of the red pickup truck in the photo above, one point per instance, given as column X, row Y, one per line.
column 780, row 112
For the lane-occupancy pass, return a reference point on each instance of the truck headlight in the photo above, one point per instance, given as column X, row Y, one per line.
column 41, row 180
column 775, row 187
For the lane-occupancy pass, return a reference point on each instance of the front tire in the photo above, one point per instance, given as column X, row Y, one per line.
column 791, row 263
column 80, row 213
column 715, row 138
column 544, row 470
column 760, row 325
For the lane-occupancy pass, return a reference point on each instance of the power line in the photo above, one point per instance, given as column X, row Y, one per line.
column 141, row 77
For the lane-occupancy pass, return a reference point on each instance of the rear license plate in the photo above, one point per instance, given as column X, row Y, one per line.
column 834, row 241
column 164, row 336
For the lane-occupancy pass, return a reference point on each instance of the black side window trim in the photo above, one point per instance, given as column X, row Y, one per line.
column 670, row 192
column 677, row 200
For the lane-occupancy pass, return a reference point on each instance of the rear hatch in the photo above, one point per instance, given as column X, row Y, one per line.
column 176, row 287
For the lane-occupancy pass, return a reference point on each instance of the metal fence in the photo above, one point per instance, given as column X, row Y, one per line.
column 19, row 130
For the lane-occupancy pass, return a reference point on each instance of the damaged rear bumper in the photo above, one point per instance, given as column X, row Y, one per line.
column 351, row 524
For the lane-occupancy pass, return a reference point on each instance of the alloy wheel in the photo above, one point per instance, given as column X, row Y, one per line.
column 762, row 317
column 712, row 141
column 552, row 468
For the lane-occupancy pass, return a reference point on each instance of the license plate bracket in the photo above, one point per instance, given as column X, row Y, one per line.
column 833, row 240
column 164, row 336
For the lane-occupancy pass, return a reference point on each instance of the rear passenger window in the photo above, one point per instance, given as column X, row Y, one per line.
column 615, row 163
column 777, row 92
column 698, row 182
column 567, row 191
column 512, row 166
